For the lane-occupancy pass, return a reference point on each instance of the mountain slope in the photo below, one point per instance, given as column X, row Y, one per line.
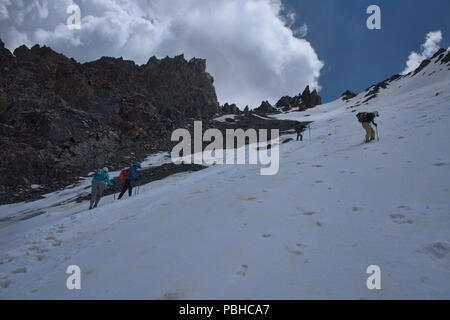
column 335, row 207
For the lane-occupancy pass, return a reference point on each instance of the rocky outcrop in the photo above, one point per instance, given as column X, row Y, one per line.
column 60, row 119
column 303, row 101
column 230, row 109
column 310, row 99
column 347, row 95
column 287, row 103
column 264, row 108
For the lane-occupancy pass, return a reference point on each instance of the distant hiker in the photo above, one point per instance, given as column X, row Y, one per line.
column 366, row 118
column 298, row 130
column 99, row 181
column 128, row 176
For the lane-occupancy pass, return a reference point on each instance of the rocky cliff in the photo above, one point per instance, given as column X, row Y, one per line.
column 60, row 119
column 301, row 102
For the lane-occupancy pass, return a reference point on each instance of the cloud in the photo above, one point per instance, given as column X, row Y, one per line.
column 429, row 48
column 251, row 50
column 302, row 31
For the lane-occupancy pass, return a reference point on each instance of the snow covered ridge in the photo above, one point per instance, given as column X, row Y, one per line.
column 441, row 60
column 336, row 207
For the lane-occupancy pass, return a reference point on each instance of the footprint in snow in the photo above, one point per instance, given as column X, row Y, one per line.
column 19, row 270
column 294, row 251
column 242, row 227
column 6, row 259
column 171, row 295
column 401, row 219
column 440, row 164
column 243, row 271
column 56, row 243
column 266, row 235
column 4, row 284
column 37, row 258
column 249, row 198
column 438, row 250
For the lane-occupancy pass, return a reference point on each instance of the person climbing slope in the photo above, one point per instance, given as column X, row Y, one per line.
column 130, row 178
column 99, row 181
column 298, row 130
column 366, row 118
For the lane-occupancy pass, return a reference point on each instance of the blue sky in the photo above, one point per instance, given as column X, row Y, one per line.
column 356, row 57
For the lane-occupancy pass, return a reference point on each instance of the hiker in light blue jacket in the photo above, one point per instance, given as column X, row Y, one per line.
column 99, row 181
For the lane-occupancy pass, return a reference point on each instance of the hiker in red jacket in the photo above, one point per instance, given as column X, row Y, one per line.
column 130, row 179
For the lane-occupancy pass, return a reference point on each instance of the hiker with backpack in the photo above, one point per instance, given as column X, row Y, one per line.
column 298, row 130
column 128, row 177
column 99, row 181
column 366, row 118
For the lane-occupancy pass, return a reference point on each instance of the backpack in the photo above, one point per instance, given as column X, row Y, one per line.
column 99, row 174
column 123, row 175
column 365, row 116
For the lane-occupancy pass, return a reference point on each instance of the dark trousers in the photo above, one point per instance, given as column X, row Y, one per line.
column 127, row 185
column 299, row 135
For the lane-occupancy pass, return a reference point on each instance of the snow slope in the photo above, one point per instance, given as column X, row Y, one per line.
column 336, row 207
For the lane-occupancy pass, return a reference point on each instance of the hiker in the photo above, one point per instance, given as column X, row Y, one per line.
column 129, row 179
column 298, row 130
column 366, row 118
column 99, row 181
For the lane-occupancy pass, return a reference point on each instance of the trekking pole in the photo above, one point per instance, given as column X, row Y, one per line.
column 378, row 138
column 309, row 127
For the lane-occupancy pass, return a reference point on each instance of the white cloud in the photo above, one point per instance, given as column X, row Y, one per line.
column 4, row 14
column 251, row 50
column 302, row 31
column 430, row 47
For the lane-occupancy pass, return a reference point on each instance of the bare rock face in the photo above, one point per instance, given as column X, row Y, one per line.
column 302, row 102
column 264, row 108
column 287, row 103
column 309, row 99
column 60, row 119
column 231, row 109
column 347, row 95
